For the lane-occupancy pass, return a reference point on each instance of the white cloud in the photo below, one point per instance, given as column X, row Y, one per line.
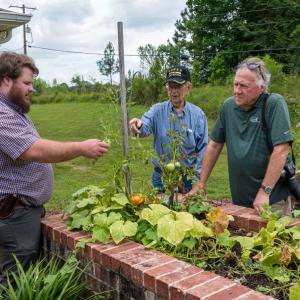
column 87, row 26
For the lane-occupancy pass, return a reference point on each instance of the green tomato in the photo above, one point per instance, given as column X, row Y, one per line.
column 107, row 141
column 177, row 164
column 170, row 166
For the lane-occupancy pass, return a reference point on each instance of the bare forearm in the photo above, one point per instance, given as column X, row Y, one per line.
column 211, row 156
column 276, row 164
column 47, row 151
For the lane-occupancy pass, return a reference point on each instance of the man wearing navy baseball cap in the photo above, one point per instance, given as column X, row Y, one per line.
column 190, row 118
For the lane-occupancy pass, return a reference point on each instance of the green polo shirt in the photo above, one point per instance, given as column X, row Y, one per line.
column 247, row 149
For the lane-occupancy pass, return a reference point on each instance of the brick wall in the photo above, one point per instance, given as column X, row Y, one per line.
column 132, row 271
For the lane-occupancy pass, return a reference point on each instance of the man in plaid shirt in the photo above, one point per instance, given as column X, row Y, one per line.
column 26, row 176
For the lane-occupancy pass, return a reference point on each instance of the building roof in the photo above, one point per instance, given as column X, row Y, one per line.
column 8, row 21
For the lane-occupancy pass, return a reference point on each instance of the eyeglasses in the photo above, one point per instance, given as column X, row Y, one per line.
column 252, row 66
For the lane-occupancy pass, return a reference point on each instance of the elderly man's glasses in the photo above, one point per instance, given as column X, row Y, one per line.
column 253, row 66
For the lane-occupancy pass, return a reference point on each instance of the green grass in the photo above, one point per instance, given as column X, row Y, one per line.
column 78, row 121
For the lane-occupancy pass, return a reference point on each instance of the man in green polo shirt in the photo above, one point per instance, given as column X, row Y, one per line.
column 254, row 172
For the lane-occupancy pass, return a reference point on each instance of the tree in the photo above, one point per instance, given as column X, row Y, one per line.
column 236, row 29
column 108, row 65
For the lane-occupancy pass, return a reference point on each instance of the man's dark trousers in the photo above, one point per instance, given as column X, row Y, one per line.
column 20, row 235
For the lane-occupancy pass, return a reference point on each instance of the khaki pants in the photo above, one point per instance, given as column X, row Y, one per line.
column 285, row 206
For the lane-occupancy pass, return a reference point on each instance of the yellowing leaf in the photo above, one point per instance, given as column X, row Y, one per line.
column 154, row 213
column 199, row 230
column 219, row 219
column 286, row 255
column 173, row 227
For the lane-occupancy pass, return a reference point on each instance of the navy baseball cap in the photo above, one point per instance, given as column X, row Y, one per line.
column 178, row 74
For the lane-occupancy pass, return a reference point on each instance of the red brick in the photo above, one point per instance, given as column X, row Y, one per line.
column 97, row 251
column 178, row 290
column 137, row 271
column 207, row 288
column 243, row 210
column 71, row 239
column 57, row 232
column 230, row 208
column 151, row 275
column 163, row 282
column 230, row 293
column 133, row 257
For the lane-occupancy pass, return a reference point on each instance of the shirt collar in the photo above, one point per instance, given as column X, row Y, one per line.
column 4, row 99
column 185, row 108
column 257, row 104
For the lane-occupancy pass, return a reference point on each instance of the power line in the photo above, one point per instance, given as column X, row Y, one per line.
column 254, row 10
column 251, row 50
column 247, row 24
column 153, row 55
column 82, row 52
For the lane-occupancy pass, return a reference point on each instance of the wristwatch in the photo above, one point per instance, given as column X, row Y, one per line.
column 267, row 189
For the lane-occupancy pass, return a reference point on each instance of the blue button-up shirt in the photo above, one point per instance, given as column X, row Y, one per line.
column 192, row 123
column 32, row 181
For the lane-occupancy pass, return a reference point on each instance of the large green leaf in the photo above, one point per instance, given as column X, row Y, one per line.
column 113, row 217
column 100, row 220
column 247, row 243
column 154, row 213
column 80, row 220
column 117, row 232
column 224, row 239
column 276, row 273
column 100, row 234
column 295, row 231
column 199, row 230
column 173, row 227
column 87, row 201
column 121, row 199
column 130, row 228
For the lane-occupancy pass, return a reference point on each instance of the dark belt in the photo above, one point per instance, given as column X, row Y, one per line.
column 9, row 204
column 158, row 170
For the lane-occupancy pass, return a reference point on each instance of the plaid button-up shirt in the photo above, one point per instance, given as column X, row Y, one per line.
column 32, row 181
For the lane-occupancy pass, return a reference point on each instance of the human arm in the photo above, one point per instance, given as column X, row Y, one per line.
column 143, row 126
column 47, row 151
column 211, row 156
column 275, row 166
column 135, row 125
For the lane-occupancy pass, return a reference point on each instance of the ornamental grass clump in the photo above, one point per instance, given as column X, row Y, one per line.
column 46, row 281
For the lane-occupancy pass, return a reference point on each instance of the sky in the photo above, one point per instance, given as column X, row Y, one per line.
column 88, row 26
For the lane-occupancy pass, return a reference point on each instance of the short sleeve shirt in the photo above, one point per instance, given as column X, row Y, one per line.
column 247, row 148
column 32, row 181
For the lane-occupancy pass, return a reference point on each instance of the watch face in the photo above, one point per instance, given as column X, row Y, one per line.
column 267, row 189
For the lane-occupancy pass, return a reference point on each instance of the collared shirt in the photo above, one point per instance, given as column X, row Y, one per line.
column 32, row 181
column 247, row 148
column 192, row 123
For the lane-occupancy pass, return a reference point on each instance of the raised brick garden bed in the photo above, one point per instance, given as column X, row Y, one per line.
column 132, row 271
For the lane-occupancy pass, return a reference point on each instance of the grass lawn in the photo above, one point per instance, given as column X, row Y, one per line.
column 78, row 121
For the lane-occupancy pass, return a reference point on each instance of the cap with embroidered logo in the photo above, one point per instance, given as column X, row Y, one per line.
column 178, row 74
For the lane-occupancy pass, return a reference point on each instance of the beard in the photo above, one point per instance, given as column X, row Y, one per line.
column 19, row 98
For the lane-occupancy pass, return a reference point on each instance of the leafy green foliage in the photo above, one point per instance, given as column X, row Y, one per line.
column 47, row 281
column 234, row 28
column 104, row 212
column 108, row 65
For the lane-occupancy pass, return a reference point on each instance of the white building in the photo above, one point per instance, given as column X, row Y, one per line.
column 10, row 20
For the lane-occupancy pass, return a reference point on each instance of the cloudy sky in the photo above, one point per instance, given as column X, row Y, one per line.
column 87, row 26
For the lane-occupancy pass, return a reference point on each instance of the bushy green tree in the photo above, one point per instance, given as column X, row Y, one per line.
column 218, row 70
column 108, row 65
column 237, row 29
